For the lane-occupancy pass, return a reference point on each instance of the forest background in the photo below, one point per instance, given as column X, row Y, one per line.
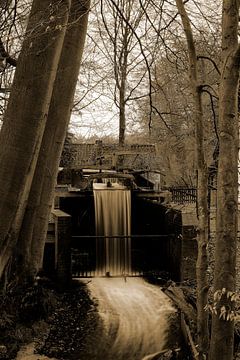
column 168, row 72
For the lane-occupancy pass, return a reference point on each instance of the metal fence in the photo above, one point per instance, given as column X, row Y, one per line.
column 145, row 251
column 184, row 195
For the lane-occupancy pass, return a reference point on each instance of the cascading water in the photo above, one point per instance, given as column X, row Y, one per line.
column 113, row 225
column 135, row 319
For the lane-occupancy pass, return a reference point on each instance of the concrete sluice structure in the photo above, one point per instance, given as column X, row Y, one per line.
column 120, row 226
column 121, row 232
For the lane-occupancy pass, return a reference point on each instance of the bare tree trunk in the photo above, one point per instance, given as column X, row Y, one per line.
column 25, row 117
column 122, row 94
column 202, row 191
column 227, row 185
column 122, row 88
column 35, row 224
column 122, row 114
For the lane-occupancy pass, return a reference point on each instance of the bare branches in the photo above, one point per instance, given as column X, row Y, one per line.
column 211, row 60
column 147, row 64
column 5, row 56
column 213, row 112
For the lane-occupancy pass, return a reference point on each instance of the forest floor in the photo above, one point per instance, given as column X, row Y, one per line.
column 57, row 325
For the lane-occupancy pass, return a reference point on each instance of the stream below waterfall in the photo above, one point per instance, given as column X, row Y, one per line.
column 135, row 316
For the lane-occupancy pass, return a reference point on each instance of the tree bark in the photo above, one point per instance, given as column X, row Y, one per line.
column 122, row 93
column 35, row 224
column 227, row 183
column 202, row 191
column 26, row 114
column 122, row 112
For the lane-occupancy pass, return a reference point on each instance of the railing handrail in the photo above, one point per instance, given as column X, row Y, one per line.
column 193, row 189
column 119, row 236
column 183, row 194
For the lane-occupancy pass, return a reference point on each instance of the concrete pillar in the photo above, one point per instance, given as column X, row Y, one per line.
column 62, row 248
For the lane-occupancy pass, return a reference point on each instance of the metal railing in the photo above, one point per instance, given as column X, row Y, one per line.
column 183, row 195
column 90, row 260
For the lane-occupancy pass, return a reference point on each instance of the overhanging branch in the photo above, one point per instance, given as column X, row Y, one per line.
column 4, row 55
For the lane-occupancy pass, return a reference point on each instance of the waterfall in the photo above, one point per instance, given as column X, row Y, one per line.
column 113, row 221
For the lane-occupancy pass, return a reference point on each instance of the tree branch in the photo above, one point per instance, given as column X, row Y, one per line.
column 4, row 54
column 211, row 60
column 147, row 65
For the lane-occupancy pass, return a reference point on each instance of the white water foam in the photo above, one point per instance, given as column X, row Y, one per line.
column 135, row 315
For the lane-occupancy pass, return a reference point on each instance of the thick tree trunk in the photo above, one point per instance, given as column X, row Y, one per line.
column 227, row 184
column 202, row 191
column 25, row 117
column 36, row 218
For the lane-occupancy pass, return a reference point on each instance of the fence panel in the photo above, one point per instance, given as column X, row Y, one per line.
column 184, row 195
column 145, row 251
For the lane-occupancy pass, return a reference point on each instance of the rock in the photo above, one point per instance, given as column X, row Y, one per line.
column 163, row 355
column 3, row 351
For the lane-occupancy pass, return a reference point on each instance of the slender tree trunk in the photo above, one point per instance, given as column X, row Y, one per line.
column 227, row 184
column 35, row 224
column 25, row 117
column 122, row 88
column 202, row 191
column 122, row 113
column 122, row 101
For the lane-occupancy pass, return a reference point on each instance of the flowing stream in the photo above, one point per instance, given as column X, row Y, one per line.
column 135, row 316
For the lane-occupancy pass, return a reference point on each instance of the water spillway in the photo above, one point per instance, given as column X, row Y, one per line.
column 113, row 227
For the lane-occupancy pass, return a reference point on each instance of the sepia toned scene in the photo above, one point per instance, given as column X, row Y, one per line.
column 119, row 178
